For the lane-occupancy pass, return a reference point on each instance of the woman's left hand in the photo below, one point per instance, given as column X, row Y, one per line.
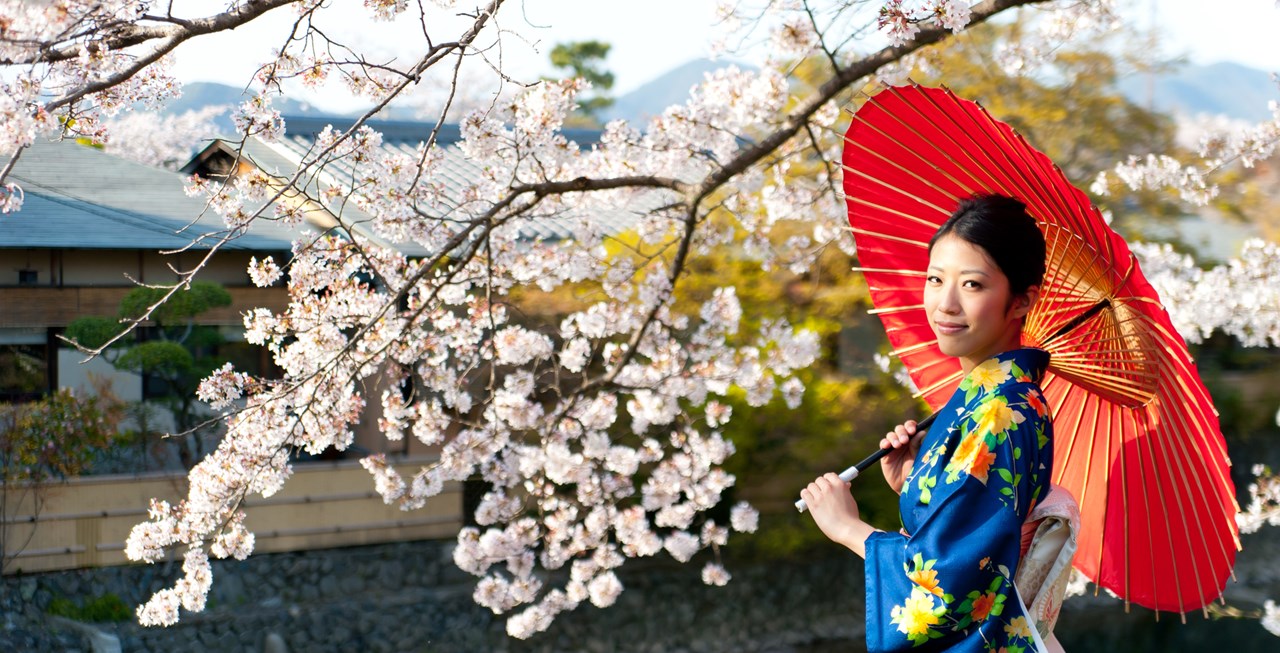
column 836, row 512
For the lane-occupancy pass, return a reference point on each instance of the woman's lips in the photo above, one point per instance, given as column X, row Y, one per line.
column 949, row 328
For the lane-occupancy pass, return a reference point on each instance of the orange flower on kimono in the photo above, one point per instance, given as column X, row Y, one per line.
column 1019, row 628
column 926, row 579
column 925, row 576
column 972, row 457
column 1033, row 400
column 982, row 460
column 982, row 606
column 965, row 453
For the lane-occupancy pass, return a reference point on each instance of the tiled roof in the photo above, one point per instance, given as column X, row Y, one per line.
column 455, row 169
column 78, row 197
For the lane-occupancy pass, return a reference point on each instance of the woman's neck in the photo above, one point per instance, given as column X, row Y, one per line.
column 1009, row 343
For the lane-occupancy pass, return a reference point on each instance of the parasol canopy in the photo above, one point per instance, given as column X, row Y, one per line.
column 1137, row 440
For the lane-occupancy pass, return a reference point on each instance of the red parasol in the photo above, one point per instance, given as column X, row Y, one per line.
column 1137, row 440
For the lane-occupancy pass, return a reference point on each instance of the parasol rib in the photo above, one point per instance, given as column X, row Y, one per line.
column 896, row 239
column 913, row 273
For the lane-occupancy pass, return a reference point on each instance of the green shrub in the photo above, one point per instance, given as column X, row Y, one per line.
column 100, row 609
column 63, row 607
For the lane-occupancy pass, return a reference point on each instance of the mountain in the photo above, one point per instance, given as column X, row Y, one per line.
column 1220, row 89
column 1226, row 89
column 198, row 95
column 671, row 87
column 1223, row 89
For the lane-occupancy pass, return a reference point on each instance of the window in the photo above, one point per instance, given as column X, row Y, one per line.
column 24, row 364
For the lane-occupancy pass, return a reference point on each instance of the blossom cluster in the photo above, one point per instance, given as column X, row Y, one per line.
column 1220, row 145
column 585, row 425
column 222, row 387
column 897, row 23
column 1271, row 617
column 84, row 83
column 1263, row 510
column 1052, row 25
column 1237, row 297
column 162, row 141
column 265, row 272
column 190, row 592
column 1264, row 502
column 900, row 21
column 1158, row 172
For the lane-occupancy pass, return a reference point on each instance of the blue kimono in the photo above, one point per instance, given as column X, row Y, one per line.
column 986, row 460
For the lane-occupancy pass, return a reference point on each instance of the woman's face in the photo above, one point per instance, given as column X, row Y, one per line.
column 968, row 301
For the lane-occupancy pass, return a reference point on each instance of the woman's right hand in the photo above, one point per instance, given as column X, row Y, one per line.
column 904, row 440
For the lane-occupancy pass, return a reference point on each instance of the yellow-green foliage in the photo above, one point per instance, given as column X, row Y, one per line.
column 840, row 421
column 1071, row 110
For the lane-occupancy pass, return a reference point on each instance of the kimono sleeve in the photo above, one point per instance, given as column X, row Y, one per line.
column 953, row 576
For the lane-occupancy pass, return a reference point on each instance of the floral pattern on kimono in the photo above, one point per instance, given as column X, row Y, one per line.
column 983, row 464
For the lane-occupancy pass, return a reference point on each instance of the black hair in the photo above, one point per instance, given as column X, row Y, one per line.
column 1002, row 228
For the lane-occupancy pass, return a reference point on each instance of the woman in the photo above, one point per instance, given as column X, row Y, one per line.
column 968, row 483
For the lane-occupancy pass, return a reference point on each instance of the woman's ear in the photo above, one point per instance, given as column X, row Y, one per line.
column 1023, row 302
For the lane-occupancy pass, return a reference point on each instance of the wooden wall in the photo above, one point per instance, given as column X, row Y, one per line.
column 43, row 306
column 84, row 522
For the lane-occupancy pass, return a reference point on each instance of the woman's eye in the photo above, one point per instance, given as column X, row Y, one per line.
column 972, row 284
column 932, row 279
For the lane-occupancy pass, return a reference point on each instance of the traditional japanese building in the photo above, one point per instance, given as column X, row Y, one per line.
column 92, row 227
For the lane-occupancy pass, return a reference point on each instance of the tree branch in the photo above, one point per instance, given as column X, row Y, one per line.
column 754, row 154
column 838, row 83
column 176, row 31
column 584, row 184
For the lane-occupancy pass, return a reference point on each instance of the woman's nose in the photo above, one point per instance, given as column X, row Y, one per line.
column 948, row 302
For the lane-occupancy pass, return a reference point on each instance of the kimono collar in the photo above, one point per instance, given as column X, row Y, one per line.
column 1013, row 366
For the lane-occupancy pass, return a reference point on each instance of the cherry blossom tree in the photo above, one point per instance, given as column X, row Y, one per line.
column 584, row 434
column 161, row 140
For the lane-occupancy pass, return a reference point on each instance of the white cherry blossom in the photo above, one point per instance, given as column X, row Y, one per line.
column 715, row 574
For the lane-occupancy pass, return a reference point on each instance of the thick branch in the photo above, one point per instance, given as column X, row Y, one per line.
column 175, row 32
column 843, row 79
column 433, row 56
column 798, row 120
column 584, row 184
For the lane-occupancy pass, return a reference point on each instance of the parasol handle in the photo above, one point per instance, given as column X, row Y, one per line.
column 853, row 472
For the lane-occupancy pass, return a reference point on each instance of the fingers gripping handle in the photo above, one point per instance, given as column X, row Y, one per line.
column 853, row 472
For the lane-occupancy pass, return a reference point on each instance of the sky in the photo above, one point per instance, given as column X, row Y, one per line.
column 1210, row 33
column 649, row 38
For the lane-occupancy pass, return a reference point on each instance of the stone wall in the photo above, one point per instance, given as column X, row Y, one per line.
column 410, row 597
